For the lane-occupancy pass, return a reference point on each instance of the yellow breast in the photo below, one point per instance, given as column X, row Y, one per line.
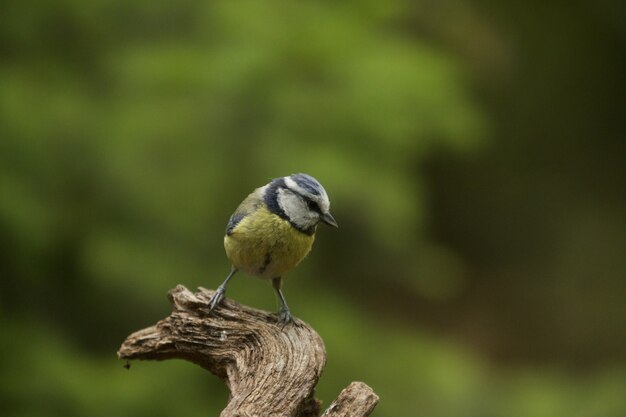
column 265, row 245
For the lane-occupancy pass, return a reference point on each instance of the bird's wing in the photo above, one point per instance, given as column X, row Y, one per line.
column 248, row 206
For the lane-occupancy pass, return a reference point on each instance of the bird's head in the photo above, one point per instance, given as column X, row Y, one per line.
column 300, row 199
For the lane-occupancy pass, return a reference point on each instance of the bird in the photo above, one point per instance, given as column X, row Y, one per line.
column 272, row 230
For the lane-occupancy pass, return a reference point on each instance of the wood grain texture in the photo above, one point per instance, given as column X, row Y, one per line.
column 270, row 370
column 357, row 399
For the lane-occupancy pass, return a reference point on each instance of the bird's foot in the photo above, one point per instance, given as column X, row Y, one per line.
column 284, row 316
column 217, row 298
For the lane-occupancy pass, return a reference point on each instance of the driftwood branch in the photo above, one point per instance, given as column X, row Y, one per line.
column 270, row 370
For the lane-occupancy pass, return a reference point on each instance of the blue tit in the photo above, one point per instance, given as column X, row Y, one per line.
column 273, row 229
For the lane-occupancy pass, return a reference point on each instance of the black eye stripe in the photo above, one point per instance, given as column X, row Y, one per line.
column 313, row 206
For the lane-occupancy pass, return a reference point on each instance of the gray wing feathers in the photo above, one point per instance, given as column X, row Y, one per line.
column 234, row 221
column 247, row 207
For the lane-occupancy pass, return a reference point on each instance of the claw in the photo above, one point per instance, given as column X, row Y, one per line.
column 217, row 298
column 220, row 291
column 284, row 316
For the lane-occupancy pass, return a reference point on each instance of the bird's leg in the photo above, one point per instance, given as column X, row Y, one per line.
column 221, row 290
column 284, row 315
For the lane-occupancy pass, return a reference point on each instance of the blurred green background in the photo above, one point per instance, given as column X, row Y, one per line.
column 473, row 152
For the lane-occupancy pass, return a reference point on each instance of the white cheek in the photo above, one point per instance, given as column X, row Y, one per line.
column 291, row 204
column 297, row 211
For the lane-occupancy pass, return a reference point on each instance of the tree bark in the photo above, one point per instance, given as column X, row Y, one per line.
column 271, row 370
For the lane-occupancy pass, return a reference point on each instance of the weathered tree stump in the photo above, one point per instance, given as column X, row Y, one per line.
column 270, row 370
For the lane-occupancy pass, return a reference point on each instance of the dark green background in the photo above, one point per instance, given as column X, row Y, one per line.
column 474, row 156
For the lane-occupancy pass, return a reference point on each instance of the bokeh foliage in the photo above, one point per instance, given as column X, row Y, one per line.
column 129, row 131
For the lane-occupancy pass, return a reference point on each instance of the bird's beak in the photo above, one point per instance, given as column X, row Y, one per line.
column 329, row 220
